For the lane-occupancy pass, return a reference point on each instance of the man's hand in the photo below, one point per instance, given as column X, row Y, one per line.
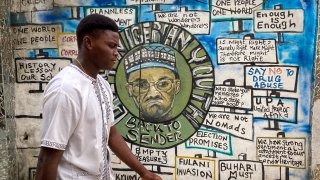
column 150, row 176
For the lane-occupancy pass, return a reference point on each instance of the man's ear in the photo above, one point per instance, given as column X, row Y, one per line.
column 177, row 86
column 87, row 42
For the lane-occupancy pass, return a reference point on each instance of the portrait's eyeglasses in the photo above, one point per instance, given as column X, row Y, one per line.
column 143, row 86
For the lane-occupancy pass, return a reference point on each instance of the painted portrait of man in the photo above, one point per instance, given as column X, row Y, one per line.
column 153, row 81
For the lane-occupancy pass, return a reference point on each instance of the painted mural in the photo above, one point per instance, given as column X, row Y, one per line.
column 217, row 89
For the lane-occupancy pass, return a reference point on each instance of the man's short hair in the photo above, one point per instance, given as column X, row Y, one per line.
column 94, row 22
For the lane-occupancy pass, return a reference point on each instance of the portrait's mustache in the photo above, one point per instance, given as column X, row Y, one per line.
column 152, row 98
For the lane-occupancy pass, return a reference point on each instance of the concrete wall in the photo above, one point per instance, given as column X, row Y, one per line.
column 8, row 160
column 315, row 163
column 246, row 69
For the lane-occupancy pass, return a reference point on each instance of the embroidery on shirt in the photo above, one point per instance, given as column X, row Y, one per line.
column 96, row 90
column 53, row 145
column 105, row 108
column 107, row 103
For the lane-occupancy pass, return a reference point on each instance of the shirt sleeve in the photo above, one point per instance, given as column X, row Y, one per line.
column 60, row 118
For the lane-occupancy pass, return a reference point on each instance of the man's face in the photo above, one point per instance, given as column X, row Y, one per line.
column 104, row 49
column 153, row 90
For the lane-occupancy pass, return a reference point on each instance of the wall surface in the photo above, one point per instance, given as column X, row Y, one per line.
column 239, row 101
column 315, row 123
column 8, row 164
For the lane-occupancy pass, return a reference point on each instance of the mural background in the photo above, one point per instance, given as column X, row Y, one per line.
column 247, row 78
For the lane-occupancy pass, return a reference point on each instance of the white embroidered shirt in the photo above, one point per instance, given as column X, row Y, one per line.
column 77, row 116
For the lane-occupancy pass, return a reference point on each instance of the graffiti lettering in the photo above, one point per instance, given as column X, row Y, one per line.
column 240, row 169
column 210, row 140
column 279, row 20
column 195, row 172
column 197, row 22
column 43, row 39
column 69, row 39
column 232, row 97
column 282, row 109
column 279, row 14
column 127, row 177
column 68, row 53
column 193, row 162
column 246, row 50
column 157, row 33
column 31, row 5
column 207, row 143
column 150, row 133
column 201, row 168
column 271, row 77
column 239, row 125
column 38, row 70
column 152, row 155
column 111, row 11
column 282, row 151
column 43, row 29
column 67, row 43
column 34, row 36
column 245, row 2
column 121, row 15
column 222, row 3
column 27, row 2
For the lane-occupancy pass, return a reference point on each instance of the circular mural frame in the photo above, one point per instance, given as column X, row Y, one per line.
column 191, row 105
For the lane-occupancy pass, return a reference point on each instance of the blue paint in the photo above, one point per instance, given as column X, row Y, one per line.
column 53, row 16
column 300, row 127
column 18, row 18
